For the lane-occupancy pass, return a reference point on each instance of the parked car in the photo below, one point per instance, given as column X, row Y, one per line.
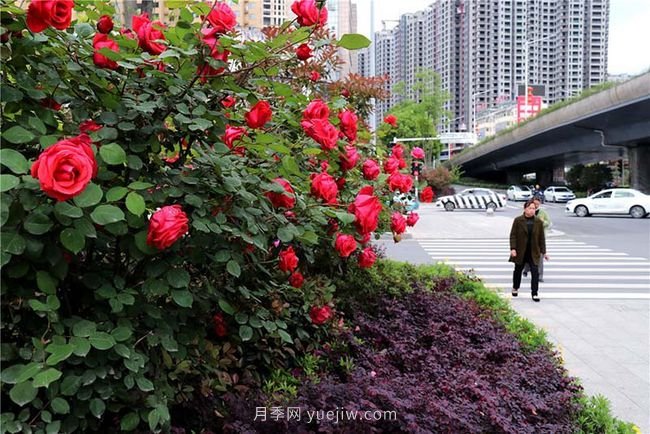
column 409, row 201
column 558, row 194
column 473, row 198
column 612, row 201
column 519, row 192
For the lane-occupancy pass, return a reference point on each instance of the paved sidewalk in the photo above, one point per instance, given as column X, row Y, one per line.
column 605, row 343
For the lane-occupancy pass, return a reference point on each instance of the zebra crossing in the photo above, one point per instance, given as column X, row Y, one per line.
column 575, row 269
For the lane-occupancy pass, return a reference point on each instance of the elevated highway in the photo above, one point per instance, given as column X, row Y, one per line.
column 605, row 126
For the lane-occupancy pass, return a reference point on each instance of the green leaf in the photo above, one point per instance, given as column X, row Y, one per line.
column 97, row 407
column 37, row 223
column 81, row 346
column 289, row 163
column 123, row 350
column 18, row 134
column 245, row 333
column 91, row 196
column 178, row 278
column 65, row 209
column 12, row 243
column 121, row 333
column 241, row 318
column 59, row 352
column 144, row 384
column 70, row 385
column 130, row 422
column 14, row 161
column 183, row 298
column 72, row 240
column 285, row 336
column 101, row 341
column 45, row 378
column 135, row 203
column 7, row 182
column 345, row 218
column 116, row 193
column 226, row 307
column 46, row 282
column 285, row 234
column 53, row 427
column 112, row 154
column 84, row 328
column 60, row 406
column 107, row 214
column 37, row 124
column 354, row 41
column 23, row 393
column 233, row 268
column 29, row 371
column 139, row 185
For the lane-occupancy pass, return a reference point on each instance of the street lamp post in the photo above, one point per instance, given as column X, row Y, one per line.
column 527, row 43
column 474, row 95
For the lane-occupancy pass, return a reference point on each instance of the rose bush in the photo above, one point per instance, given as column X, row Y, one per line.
column 185, row 240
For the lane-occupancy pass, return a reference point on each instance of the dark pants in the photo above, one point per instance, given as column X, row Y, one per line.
column 534, row 273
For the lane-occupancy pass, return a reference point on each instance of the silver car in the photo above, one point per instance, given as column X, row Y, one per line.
column 612, row 201
column 519, row 192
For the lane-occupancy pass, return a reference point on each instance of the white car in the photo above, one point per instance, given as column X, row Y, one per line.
column 519, row 192
column 558, row 194
column 612, row 201
column 473, row 198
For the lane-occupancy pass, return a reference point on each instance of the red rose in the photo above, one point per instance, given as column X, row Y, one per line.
column 222, row 18
column 166, row 226
column 259, row 115
column 42, row 14
column 105, row 24
column 219, row 325
column 65, row 168
column 348, row 124
column 340, row 182
column 345, row 93
column 296, row 279
column 367, row 258
column 282, row 200
column 171, row 160
column 206, row 70
column 288, row 260
column 364, row 239
column 103, row 41
column 322, row 131
column 345, row 245
column 426, row 195
column 232, row 135
column 319, row 315
column 50, row 103
column 391, row 120
column 398, row 151
column 400, row 182
column 397, row 223
column 317, row 109
column 308, row 13
column 370, row 169
column 366, row 209
column 412, row 219
column 149, row 32
column 89, row 126
column 391, row 165
column 128, row 33
column 349, row 159
column 303, row 52
column 314, row 76
column 324, row 165
column 333, row 227
column 323, row 186
column 228, row 101
column 417, row 153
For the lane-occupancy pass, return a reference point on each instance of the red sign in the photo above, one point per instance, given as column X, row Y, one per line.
column 528, row 106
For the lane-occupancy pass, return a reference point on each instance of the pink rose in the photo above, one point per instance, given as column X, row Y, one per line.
column 166, row 226
column 349, row 159
column 65, row 168
column 308, row 13
column 367, row 258
column 232, row 135
column 222, row 18
column 417, row 153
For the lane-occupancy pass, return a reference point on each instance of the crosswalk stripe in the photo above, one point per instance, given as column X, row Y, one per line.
column 545, row 285
column 573, row 277
column 501, row 249
column 585, row 255
column 557, row 268
column 582, row 295
column 594, row 263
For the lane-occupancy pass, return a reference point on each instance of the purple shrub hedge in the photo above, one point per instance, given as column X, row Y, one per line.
column 440, row 364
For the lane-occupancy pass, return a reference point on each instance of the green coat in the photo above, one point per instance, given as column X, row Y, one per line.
column 519, row 237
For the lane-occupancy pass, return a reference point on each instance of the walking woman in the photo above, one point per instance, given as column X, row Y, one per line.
column 527, row 246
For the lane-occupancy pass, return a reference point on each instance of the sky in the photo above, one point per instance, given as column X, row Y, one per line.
column 629, row 29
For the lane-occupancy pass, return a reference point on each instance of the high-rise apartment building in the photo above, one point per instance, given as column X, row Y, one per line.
column 487, row 50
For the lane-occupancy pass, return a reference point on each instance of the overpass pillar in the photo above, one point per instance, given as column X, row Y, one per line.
column 639, row 158
column 544, row 177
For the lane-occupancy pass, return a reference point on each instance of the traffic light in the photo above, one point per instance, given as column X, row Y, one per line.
column 416, row 168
